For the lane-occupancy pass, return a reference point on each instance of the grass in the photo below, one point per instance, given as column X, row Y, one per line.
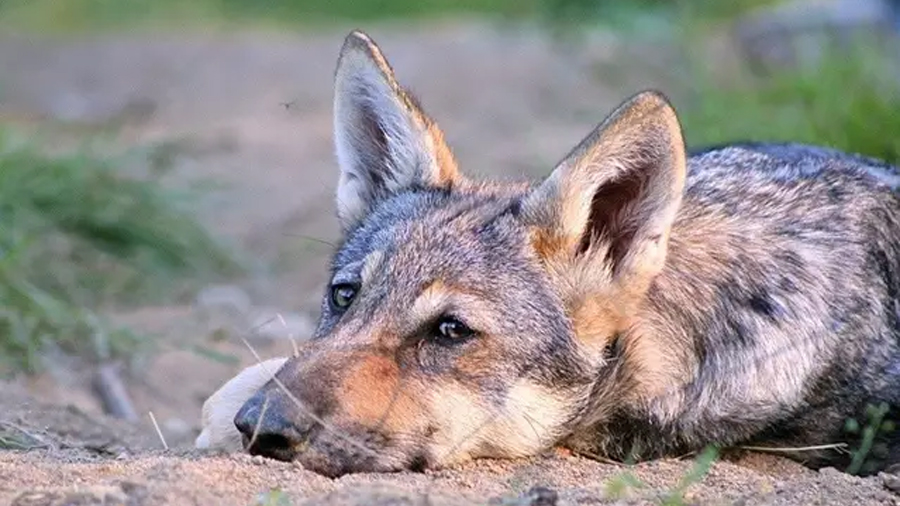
column 77, row 237
column 626, row 484
column 846, row 98
column 845, row 101
column 643, row 17
column 272, row 497
column 871, row 451
column 90, row 15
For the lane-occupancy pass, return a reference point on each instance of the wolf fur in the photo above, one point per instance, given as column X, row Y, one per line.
column 637, row 302
column 218, row 431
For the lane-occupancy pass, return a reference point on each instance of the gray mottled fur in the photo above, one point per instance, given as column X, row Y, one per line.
column 778, row 300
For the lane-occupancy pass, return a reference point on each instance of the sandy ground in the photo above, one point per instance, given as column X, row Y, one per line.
column 253, row 111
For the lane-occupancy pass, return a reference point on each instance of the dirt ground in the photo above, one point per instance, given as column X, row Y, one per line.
column 253, row 111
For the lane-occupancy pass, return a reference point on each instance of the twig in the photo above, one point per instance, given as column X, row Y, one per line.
column 262, row 414
column 158, row 432
column 113, row 394
column 835, row 446
column 598, row 458
column 290, row 335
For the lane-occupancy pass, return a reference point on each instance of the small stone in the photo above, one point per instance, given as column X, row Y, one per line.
column 259, row 460
column 891, row 482
column 830, row 471
column 35, row 499
column 563, row 453
column 541, row 496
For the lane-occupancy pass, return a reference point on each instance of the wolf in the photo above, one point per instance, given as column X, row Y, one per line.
column 639, row 301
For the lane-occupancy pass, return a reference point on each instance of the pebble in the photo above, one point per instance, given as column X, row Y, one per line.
column 891, row 482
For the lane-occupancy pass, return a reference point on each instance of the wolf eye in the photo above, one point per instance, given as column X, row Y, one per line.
column 342, row 295
column 452, row 329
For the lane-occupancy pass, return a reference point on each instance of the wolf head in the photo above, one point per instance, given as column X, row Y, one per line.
column 466, row 319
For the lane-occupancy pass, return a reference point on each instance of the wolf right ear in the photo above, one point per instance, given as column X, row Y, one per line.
column 385, row 142
column 616, row 194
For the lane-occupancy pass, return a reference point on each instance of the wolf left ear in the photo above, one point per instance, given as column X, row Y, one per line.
column 385, row 142
column 617, row 192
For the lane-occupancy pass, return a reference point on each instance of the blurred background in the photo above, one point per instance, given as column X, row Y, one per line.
column 167, row 173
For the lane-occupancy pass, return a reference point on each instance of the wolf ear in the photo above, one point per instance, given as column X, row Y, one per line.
column 617, row 192
column 385, row 142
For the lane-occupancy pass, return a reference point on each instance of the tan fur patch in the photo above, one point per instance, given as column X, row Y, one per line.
column 531, row 416
column 461, row 420
column 657, row 368
column 526, row 423
column 662, row 357
column 445, row 174
column 438, row 296
column 431, row 300
column 373, row 393
column 549, row 244
column 598, row 319
column 371, row 264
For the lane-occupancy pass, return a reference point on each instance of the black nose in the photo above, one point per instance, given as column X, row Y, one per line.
column 267, row 428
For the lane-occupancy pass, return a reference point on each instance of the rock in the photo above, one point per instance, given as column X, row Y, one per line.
column 113, row 394
column 535, row 496
column 125, row 493
column 383, row 495
column 891, row 482
column 831, row 472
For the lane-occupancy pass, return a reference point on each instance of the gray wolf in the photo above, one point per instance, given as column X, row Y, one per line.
column 639, row 301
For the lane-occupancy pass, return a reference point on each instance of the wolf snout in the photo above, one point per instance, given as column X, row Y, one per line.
column 269, row 430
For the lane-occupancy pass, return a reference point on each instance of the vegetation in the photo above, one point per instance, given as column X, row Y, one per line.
column 78, row 235
column 85, row 15
column 847, row 103
column 89, row 15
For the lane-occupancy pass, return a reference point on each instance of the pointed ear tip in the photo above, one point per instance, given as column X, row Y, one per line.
column 359, row 41
column 652, row 98
column 655, row 104
column 357, row 36
column 360, row 52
